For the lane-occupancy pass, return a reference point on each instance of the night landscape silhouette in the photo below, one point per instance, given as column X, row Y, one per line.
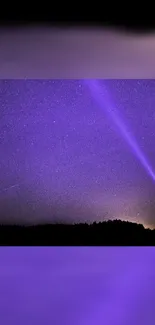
column 111, row 232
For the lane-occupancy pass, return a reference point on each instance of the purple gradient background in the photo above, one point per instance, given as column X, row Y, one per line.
column 78, row 286
column 64, row 158
column 38, row 52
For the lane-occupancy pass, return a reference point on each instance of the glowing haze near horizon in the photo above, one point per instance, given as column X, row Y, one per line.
column 69, row 154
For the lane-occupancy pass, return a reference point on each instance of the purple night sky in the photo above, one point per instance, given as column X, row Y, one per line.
column 77, row 150
column 77, row 285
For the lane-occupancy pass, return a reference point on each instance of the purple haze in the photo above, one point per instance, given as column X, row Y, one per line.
column 80, row 286
column 75, row 53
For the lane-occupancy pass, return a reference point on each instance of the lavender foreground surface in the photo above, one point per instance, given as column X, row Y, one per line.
column 64, row 286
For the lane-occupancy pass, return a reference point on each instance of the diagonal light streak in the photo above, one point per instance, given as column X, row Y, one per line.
column 101, row 96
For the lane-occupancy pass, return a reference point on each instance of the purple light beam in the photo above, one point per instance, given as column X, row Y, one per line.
column 100, row 95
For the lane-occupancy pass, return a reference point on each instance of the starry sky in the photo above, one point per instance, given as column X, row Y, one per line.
column 77, row 150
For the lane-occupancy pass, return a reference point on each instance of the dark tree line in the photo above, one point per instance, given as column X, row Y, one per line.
column 109, row 233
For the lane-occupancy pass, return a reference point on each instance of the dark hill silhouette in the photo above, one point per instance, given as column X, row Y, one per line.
column 109, row 233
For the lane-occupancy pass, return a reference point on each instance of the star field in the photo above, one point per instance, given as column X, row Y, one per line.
column 63, row 158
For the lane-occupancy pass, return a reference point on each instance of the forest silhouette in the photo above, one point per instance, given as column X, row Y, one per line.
column 109, row 233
